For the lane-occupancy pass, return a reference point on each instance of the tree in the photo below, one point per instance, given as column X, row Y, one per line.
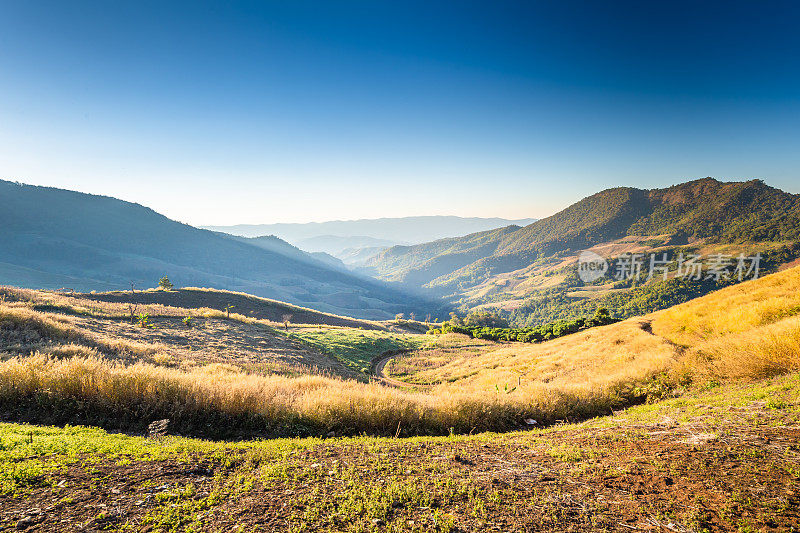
column 399, row 316
column 485, row 319
column 286, row 319
column 133, row 307
column 165, row 283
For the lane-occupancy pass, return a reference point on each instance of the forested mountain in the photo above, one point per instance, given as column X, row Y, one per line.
column 498, row 266
column 53, row 237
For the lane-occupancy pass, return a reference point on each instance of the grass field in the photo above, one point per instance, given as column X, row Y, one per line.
column 356, row 348
column 683, row 420
column 85, row 367
column 726, row 459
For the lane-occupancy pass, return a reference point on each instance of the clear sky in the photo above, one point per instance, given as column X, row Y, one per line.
column 292, row 111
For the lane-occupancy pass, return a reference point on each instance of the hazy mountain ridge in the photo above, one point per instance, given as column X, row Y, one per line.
column 350, row 251
column 332, row 244
column 53, row 234
column 416, row 229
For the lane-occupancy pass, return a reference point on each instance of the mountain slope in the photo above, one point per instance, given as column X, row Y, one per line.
column 100, row 243
column 512, row 264
column 333, row 244
column 419, row 264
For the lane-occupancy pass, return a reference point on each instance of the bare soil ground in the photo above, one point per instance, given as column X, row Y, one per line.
column 737, row 474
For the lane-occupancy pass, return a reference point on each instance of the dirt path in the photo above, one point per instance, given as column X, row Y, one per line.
column 379, row 371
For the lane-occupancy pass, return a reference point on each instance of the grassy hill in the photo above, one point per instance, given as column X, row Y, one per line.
column 528, row 272
column 680, row 420
column 748, row 330
column 53, row 238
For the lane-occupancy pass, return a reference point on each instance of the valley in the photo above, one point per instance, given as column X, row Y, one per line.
column 528, row 274
column 381, row 425
column 380, row 267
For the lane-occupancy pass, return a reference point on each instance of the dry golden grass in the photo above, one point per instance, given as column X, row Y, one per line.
column 68, row 303
column 70, row 380
column 247, row 343
column 734, row 309
column 587, row 363
column 218, row 400
column 74, row 383
column 23, row 330
column 751, row 330
column 743, row 332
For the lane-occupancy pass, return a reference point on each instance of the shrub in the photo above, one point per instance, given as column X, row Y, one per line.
column 545, row 332
column 143, row 320
column 165, row 284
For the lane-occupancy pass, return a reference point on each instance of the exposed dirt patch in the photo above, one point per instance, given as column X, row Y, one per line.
column 631, row 478
column 104, row 496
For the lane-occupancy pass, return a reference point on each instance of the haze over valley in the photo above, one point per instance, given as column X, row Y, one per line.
column 408, row 268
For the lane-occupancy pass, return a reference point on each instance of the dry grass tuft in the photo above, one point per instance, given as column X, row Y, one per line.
column 221, row 401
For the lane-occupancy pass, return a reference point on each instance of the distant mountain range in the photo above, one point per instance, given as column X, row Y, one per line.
column 510, row 268
column 349, row 251
column 54, row 238
column 405, row 230
column 356, row 241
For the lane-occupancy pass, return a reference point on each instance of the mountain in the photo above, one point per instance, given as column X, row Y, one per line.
column 395, row 230
column 504, row 267
column 350, row 251
column 355, row 258
column 334, row 244
column 53, row 238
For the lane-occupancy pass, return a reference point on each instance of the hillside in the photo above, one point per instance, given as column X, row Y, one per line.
column 749, row 330
column 741, row 332
column 714, row 445
column 54, row 238
column 526, row 270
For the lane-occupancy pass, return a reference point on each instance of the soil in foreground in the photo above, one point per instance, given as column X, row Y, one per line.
column 724, row 460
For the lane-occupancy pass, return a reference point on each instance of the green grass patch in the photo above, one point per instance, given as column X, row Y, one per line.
column 31, row 455
column 356, row 348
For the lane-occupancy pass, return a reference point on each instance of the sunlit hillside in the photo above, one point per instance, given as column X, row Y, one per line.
column 748, row 330
column 258, row 376
column 529, row 274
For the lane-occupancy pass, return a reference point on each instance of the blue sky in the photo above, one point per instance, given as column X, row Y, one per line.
column 295, row 111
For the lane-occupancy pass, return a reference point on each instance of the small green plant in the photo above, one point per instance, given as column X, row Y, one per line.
column 143, row 320
column 776, row 403
column 165, row 284
column 187, row 321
